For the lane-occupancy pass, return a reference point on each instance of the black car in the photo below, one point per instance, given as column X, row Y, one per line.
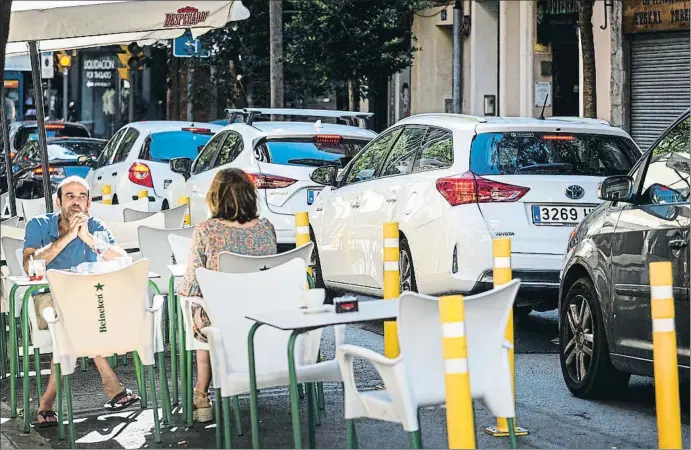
column 63, row 161
column 605, row 327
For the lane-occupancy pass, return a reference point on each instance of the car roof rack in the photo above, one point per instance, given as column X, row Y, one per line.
column 351, row 117
column 442, row 115
column 577, row 119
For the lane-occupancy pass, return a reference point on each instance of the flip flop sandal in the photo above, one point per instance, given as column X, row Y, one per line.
column 115, row 404
column 47, row 414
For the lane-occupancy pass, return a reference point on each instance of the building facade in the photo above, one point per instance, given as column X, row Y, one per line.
column 522, row 56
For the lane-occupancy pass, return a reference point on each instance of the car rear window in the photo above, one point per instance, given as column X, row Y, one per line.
column 531, row 153
column 166, row 145
column 312, row 152
column 26, row 133
column 73, row 150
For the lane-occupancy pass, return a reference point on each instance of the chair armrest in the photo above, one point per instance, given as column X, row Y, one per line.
column 156, row 304
column 394, row 376
column 49, row 315
column 339, row 335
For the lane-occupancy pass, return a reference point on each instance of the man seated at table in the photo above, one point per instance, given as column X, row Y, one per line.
column 64, row 239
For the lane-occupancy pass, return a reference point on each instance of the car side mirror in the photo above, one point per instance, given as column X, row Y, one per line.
column 616, row 189
column 325, row 175
column 182, row 166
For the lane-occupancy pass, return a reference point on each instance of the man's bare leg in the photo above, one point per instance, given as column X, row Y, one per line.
column 48, row 398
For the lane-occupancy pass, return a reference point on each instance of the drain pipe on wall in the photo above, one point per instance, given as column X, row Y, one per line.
column 457, row 62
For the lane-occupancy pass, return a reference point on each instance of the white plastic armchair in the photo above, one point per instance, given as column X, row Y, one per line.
column 115, row 212
column 126, row 234
column 101, row 315
column 416, row 378
column 12, row 222
column 278, row 288
column 155, row 246
column 35, row 207
column 174, row 218
column 181, row 247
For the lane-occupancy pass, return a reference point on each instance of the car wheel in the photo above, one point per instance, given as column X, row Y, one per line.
column 585, row 363
column 407, row 270
column 318, row 277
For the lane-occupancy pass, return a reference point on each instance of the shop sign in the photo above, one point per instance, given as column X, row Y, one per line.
column 641, row 16
column 10, row 84
column 99, row 72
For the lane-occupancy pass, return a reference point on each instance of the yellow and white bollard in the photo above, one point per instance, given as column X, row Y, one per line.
column 392, row 285
column 302, row 232
column 188, row 216
column 143, row 194
column 665, row 356
column 460, row 420
column 501, row 250
column 107, row 194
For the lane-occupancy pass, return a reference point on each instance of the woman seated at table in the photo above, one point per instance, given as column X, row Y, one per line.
column 234, row 227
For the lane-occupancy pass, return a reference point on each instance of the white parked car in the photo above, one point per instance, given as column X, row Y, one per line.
column 453, row 183
column 137, row 158
column 278, row 156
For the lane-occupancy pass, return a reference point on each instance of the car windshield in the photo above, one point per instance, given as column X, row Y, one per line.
column 167, row 145
column 534, row 153
column 74, row 149
column 27, row 133
column 313, row 151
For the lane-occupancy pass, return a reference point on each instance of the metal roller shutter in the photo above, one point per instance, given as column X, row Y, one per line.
column 659, row 83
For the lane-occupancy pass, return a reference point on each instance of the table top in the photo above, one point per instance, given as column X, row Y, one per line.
column 177, row 270
column 24, row 281
column 295, row 319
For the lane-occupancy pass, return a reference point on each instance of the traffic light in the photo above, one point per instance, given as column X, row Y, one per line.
column 63, row 60
column 136, row 62
column 124, row 56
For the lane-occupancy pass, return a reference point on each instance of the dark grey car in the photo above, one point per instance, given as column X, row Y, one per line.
column 605, row 328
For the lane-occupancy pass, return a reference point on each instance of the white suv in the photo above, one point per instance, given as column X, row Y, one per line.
column 136, row 159
column 454, row 182
column 279, row 156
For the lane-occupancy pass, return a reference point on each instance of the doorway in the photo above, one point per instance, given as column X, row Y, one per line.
column 565, row 81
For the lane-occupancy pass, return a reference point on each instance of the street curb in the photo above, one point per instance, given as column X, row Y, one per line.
column 13, row 431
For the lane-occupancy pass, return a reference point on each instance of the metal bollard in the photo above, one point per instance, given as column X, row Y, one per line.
column 460, row 419
column 665, row 356
column 392, row 285
column 143, row 194
column 106, row 194
column 501, row 250
column 188, row 215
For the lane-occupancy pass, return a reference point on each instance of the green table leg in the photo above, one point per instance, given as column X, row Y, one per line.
column 254, row 408
column 226, row 423
column 25, row 357
column 312, row 411
column 294, row 397
column 511, row 422
column 172, row 328
column 58, row 388
column 14, row 358
column 165, row 392
column 37, row 368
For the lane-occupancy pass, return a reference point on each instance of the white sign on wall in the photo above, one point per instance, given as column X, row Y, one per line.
column 543, row 89
column 47, row 69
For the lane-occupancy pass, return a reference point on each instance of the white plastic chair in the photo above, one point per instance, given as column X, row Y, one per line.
column 11, row 232
column 11, row 222
column 155, row 246
column 415, row 379
column 277, row 288
column 35, row 207
column 174, row 218
column 181, row 247
column 126, row 234
column 4, row 205
column 119, row 322
column 115, row 212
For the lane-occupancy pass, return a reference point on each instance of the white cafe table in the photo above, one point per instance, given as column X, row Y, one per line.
column 32, row 286
column 298, row 322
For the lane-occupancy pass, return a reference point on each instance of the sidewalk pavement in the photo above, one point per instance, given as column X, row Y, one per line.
column 12, row 434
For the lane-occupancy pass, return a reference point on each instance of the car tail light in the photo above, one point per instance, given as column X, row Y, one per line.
column 197, row 130
column 141, row 174
column 470, row 188
column 328, row 138
column 12, row 155
column 263, row 181
column 557, row 137
column 54, row 126
column 52, row 171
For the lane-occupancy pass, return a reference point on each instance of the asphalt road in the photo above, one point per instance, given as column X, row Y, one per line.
column 553, row 416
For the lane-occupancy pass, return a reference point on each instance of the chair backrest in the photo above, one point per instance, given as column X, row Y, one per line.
column 4, row 205
column 14, row 249
column 154, row 246
column 34, row 207
column 13, row 234
column 420, row 338
column 235, row 263
column 232, row 296
column 102, row 314
column 180, row 246
column 115, row 212
column 131, row 215
column 11, row 222
column 126, row 234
